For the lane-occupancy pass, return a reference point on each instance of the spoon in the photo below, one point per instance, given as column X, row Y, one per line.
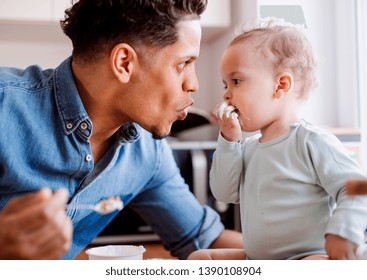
column 105, row 206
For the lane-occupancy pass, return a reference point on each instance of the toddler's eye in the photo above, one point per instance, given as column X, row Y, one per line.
column 236, row 81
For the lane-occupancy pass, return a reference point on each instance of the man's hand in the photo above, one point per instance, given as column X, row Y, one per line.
column 35, row 226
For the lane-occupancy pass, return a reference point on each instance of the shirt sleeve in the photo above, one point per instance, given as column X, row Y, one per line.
column 226, row 171
column 171, row 209
column 334, row 167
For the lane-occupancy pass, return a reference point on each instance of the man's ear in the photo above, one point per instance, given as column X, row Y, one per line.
column 122, row 60
column 283, row 84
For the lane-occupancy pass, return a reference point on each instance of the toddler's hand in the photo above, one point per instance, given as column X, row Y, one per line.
column 337, row 247
column 228, row 121
column 356, row 187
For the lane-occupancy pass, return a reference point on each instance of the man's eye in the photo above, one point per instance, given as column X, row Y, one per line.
column 181, row 66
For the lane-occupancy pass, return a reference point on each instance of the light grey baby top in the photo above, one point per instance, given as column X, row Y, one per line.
column 291, row 191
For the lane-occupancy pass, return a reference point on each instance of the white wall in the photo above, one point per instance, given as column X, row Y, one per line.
column 329, row 28
column 26, row 43
column 208, row 65
column 320, row 18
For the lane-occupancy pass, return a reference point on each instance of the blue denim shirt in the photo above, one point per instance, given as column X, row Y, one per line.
column 44, row 141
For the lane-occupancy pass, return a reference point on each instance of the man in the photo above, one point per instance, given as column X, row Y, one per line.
column 93, row 125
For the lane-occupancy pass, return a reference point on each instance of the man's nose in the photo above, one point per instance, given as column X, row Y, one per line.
column 191, row 84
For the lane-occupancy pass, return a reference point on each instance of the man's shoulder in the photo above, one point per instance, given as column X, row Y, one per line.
column 32, row 77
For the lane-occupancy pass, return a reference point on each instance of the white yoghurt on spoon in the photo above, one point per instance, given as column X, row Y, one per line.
column 109, row 205
column 105, row 206
column 228, row 110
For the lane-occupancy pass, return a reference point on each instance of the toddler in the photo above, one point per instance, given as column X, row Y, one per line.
column 290, row 178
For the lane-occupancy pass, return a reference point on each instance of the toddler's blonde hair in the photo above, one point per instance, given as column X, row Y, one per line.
column 286, row 46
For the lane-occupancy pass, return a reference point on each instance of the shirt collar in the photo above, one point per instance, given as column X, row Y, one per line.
column 69, row 104
column 71, row 108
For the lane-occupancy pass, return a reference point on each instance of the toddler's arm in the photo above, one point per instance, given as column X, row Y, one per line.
column 226, row 171
column 334, row 167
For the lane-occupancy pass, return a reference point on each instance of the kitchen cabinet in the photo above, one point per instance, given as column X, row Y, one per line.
column 59, row 8
column 216, row 19
column 33, row 25
column 33, row 10
column 217, row 14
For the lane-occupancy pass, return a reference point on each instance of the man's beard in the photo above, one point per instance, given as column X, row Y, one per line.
column 156, row 135
column 159, row 137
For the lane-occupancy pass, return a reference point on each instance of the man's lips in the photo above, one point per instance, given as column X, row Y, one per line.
column 182, row 114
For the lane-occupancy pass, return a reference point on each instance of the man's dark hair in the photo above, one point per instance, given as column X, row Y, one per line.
column 96, row 26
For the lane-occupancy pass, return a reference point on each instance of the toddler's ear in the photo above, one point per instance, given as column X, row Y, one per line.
column 284, row 84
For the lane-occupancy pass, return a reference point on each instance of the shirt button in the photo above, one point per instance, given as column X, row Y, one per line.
column 88, row 158
column 69, row 125
column 83, row 125
column 132, row 131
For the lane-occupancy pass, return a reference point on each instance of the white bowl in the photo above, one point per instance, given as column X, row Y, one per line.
column 116, row 252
